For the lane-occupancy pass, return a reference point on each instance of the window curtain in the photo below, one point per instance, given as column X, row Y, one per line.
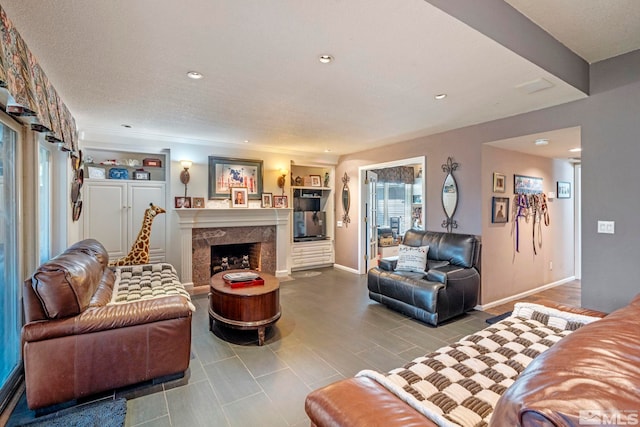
column 31, row 95
column 396, row 175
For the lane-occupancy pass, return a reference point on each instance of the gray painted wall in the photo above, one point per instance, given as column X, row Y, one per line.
column 610, row 121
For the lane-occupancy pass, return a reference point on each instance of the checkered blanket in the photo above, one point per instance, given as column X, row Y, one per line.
column 147, row 281
column 459, row 385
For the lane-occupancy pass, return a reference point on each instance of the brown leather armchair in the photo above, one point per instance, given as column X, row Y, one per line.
column 75, row 344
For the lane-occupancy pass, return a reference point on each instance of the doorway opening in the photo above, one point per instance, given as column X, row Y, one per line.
column 393, row 200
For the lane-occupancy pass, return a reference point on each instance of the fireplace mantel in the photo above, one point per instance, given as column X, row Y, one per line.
column 191, row 218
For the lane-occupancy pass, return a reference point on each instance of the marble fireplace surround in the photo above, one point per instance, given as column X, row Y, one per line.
column 206, row 227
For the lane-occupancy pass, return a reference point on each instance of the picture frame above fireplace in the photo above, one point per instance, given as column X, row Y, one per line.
column 226, row 173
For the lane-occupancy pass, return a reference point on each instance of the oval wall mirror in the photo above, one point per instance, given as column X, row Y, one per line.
column 346, row 198
column 449, row 195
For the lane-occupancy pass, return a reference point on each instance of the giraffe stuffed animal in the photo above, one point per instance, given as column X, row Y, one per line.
column 139, row 253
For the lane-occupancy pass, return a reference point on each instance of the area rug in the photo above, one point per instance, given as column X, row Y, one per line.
column 499, row 317
column 104, row 413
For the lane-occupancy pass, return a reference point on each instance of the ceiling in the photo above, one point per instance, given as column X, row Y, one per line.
column 124, row 62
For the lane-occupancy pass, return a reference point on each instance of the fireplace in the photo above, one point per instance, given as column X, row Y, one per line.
column 210, row 245
column 235, row 256
column 202, row 228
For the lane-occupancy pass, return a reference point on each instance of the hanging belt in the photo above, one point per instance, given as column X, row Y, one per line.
column 520, row 208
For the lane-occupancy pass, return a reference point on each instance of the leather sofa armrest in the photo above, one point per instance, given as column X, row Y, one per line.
column 115, row 316
column 388, row 264
column 437, row 276
column 360, row 402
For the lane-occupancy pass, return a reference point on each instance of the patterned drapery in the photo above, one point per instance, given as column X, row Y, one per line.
column 31, row 95
column 396, row 175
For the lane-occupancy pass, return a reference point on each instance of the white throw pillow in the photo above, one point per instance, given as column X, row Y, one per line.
column 411, row 258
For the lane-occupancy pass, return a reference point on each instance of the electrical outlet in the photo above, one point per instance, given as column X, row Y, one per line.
column 339, row 224
column 550, row 265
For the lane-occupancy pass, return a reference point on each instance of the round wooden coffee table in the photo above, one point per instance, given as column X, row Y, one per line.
column 254, row 307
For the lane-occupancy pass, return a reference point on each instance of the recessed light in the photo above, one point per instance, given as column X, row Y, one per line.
column 541, row 141
column 126, row 126
column 327, row 150
column 246, row 141
column 194, row 75
column 325, row 59
column 575, row 150
column 440, row 96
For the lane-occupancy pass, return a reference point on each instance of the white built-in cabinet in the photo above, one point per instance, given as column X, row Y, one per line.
column 113, row 209
column 310, row 254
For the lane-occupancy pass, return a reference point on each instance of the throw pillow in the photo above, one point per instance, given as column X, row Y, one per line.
column 412, row 258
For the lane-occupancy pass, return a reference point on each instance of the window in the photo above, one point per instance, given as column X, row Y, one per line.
column 44, row 204
column 394, row 201
column 10, row 312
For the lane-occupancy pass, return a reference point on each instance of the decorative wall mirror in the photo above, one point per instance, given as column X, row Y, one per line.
column 449, row 195
column 346, row 199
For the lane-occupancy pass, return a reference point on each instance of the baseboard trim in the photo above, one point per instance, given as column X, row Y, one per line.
column 483, row 307
column 343, row 268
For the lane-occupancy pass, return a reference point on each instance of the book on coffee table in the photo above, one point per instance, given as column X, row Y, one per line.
column 245, row 284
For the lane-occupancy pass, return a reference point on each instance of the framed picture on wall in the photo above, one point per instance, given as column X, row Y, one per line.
column 499, row 183
column 527, row 184
column 499, row 210
column 226, row 173
column 564, row 190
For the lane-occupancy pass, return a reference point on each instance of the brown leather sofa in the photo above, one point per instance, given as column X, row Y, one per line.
column 75, row 344
column 593, row 372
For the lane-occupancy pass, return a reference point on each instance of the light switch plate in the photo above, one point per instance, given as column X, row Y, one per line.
column 606, row 227
column 339, row 224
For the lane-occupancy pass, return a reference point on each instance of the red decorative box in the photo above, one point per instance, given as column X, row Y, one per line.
column 152, row 162
column 248, row 283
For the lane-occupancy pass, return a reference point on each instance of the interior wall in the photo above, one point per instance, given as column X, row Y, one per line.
column 436, row 151
column 609, row 128
column 506, row 272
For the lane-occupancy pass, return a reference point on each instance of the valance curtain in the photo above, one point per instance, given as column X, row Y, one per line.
column 31, row 94
column 396, row 175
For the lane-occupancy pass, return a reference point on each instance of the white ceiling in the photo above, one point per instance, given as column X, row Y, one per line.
column 124, row 62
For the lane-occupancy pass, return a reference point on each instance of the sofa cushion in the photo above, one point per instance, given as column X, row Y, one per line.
column 412, row 258
column 65, row 284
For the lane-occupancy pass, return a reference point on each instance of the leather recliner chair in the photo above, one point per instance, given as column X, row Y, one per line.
column 449, row 285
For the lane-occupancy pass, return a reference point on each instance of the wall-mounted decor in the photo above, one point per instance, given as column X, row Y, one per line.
column 499, row 183
column 527, row 184
column 346, row 199
column 239, row 197
column 182, row 202
column 267, row 200
column 449, row 195
column 198, row 202
column 280, row 202
column 564, row 190
column 499, row 210
column 226, row 173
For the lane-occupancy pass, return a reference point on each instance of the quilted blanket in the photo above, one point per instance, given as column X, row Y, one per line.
column 139, row 282
column 459, row 384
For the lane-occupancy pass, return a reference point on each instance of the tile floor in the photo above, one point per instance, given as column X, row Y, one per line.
column 329, row 330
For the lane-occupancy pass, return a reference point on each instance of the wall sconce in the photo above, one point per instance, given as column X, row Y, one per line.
column 184, row 175
column 282, row 179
